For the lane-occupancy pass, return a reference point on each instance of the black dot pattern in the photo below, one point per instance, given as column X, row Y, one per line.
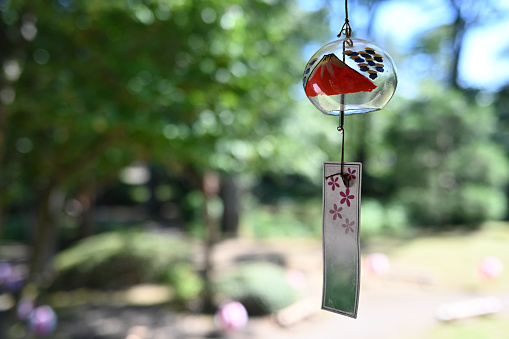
column 368, row 60
column 350, row 53
column 364, row 67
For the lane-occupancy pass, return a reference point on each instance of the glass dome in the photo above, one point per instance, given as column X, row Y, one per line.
column 350, row 74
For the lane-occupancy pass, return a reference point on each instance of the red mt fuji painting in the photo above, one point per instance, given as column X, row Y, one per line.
column 332, row 76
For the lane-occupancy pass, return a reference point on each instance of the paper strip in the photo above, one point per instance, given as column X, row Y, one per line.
column 341, row 241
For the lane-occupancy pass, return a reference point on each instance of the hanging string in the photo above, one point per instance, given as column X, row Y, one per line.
column 347, row 31
column 347, row 42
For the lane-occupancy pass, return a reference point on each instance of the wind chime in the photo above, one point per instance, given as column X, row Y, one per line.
column 347, row 76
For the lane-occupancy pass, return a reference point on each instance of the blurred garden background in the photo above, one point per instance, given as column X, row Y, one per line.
column 159, row 158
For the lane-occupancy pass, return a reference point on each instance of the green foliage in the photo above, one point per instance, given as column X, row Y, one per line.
column 261, row 287
column 185, row 281
column 502, row 107
column 378, row 219
column 191, row 85
column 446, row 169
column 286, row 219
column 122, row 259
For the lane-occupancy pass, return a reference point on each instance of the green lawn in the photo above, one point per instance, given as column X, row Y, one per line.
column 493, row 327
column 452, row 260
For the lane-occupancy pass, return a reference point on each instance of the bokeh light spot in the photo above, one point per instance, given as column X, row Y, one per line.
column 83, row 22
column 208, row 15
column 12, row 70
column 28, row 31
column 7, row 95
column 10, row 17
column 24, row 145
column 163, row 12
column 223, row 75
column 41, row 56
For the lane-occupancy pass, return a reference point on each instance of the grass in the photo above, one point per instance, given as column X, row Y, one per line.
column 452, row 260
column 493, row 327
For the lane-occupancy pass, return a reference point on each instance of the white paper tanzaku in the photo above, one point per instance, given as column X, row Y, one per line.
column 341, row 240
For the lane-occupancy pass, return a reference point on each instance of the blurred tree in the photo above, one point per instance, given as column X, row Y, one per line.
column 438, row 155
column 446, row 168
column 502, row 137
column 444, row 44
column 90, row 86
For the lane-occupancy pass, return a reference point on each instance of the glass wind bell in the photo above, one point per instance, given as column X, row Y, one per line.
column 347, row 76
column 350, row 75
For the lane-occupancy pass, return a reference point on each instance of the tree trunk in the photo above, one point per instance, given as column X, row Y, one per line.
column 86, row 198
column 44, row 242
column 210, row 191
column 231, row 206
column 457, row 36
column 3, row 122
column 1, row 218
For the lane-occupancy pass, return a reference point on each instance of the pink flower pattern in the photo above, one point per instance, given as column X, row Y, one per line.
column 351, row 174
column 346, row 197
column 335, row 212
column 334, row 182
column 348, row 226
